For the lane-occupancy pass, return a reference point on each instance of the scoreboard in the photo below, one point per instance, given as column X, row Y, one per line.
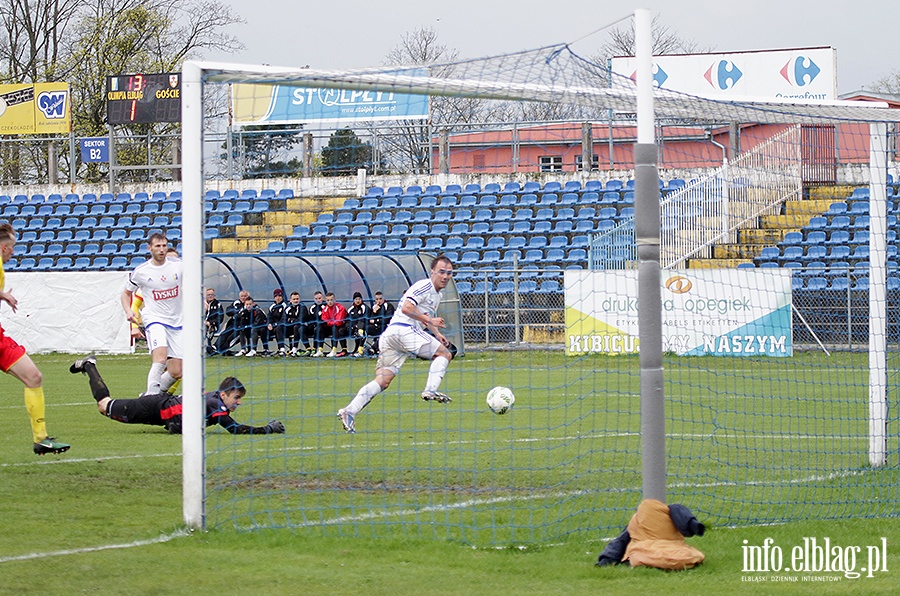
column 143, row 98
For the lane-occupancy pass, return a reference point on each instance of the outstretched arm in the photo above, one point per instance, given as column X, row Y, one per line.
column 232, row 426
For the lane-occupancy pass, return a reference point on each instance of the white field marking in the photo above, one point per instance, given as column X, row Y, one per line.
column 538, row 496
column 78, row 405
column 91, row 549
column 57, row 461
column 572, row 438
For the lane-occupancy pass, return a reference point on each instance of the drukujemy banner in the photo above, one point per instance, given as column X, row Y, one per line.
column 722, row 312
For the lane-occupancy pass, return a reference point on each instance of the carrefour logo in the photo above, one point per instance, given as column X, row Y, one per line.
column 52, row 104
column 659, row 76
column 800, row 71
column 723, row 74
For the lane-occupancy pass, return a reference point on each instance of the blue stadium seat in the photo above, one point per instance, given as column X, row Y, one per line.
column 772, row 253
column 393, row 244
column 439, row 229
column 474, row 243
column 379, row 230
column 524, row 214
column 551, row 198
column 434, row 244
column 373, row 245
column 401, row 230
column 813, row 237
column 487, row 201
column 816, row 252
column 448, row 201
column 81, row 263
column 353, row 245
column 452, row 189
column 836, row 237
column 459, row 229
column 468, row 201
column 99, row 264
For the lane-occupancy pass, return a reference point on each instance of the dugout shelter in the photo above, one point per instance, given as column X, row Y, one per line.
column 342, row 274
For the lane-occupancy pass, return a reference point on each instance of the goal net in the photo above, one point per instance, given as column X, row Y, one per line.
column 779, row 290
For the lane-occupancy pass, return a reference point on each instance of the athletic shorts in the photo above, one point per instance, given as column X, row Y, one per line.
column 10, row 351
column 143, row 410
column 162, row 336
column 399, row 342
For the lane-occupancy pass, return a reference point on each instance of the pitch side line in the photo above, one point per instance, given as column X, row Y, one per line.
column 91, row 549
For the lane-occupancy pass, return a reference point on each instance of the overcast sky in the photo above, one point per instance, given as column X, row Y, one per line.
column 356, row 33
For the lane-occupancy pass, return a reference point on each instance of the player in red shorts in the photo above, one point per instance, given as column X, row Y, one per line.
column 15, row 361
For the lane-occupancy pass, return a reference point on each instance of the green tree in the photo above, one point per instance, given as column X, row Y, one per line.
column 266, row 151
column 83, row 41
column 345, row 153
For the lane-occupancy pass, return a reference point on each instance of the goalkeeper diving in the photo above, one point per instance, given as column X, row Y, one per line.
column 164, row 409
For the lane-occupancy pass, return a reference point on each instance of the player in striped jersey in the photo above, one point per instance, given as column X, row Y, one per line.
column 414, row 330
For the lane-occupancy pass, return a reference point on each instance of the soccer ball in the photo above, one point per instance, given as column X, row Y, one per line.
column 500, row 400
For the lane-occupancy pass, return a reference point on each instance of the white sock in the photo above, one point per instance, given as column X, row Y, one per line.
column 166, row 381
column 436, row 373
column 154, row 376
column 363, row 397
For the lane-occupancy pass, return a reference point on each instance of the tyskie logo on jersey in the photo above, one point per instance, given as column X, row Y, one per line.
column 165, row 294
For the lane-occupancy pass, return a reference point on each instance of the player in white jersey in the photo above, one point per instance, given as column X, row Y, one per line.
column 408, row 335
column 159, row 280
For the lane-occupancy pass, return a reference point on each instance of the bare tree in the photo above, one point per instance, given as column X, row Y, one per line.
column 620, row 42
column 889, row 84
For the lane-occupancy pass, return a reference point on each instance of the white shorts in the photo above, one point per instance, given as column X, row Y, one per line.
column 162, row 336
column 399, row 342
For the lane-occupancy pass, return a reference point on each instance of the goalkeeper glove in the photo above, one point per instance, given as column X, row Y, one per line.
column 274, row 427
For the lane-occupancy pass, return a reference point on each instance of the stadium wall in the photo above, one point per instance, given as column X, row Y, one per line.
column 349, row 186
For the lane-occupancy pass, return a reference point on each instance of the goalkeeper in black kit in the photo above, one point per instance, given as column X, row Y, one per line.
column 164, row 409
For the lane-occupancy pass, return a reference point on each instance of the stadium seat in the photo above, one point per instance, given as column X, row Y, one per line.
column 399, row 230
column 468, row 201
column 474, row 243
column 373, row 245
column 118, row 263
column 99, row 264
column 393, row 244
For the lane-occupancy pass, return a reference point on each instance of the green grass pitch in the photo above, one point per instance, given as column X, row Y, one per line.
column 510, row 504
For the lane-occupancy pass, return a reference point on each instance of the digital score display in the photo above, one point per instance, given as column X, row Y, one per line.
column 143, row 98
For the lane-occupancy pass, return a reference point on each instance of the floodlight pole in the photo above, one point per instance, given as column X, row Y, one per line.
column 646, row 233
column 193, row 408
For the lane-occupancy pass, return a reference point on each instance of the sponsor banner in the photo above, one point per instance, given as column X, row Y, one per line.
column 41, row 108
column 800, row 74
column 723, row 312
column 280, row 104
